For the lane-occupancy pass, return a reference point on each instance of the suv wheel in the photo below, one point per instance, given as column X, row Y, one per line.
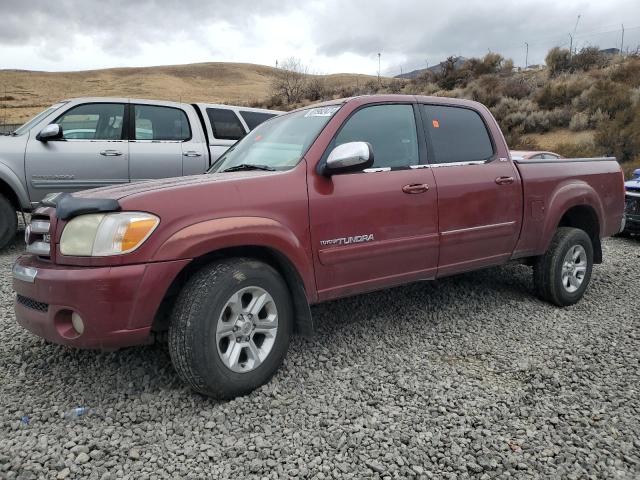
column 8, row 222
column 230, row 328
column 562, row 274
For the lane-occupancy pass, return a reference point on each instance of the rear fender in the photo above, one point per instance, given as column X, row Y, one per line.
column 565, row 197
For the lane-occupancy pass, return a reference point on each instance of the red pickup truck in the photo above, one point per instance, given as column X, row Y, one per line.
column 324, row 202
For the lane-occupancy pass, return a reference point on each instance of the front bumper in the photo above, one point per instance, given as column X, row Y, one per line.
column 632, row 212
column 116, row 304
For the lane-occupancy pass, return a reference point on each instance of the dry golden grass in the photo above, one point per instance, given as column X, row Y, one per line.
column 28, row 92
column 549, row 140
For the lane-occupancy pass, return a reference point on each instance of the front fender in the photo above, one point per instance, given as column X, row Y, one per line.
column 212, row 235
column 13, row 181
column 566, row 196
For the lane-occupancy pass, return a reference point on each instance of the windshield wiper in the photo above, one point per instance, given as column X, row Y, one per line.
column 248, row 166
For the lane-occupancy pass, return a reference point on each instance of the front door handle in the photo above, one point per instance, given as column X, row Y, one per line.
column 111, row 153
column 192, row 153
column 415, row 188
column 504, row 180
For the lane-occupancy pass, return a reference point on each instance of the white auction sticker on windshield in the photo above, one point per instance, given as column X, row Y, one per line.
column 323, row 111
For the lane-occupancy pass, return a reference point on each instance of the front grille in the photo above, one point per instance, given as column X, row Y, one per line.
column 38, row 237
column 632, row 205
column 32, row 304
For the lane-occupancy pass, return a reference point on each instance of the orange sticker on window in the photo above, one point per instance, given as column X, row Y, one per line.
column 436, row 123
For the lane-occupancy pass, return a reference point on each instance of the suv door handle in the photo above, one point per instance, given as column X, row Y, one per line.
column 415, row 188
column 111, row 153
column 192, row 153
column 504, row 180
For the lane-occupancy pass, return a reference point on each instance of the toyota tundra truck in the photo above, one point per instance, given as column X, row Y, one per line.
column 327, row 201
column 91, row 142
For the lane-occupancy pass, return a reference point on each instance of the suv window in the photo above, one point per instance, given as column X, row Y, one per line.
column 93, row 121
column 391, row 131
column 153, row 122
column 253, row 119
column 225, row 124
column 456, row 134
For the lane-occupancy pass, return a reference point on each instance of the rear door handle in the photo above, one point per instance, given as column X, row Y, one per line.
column 192, row 153
column 111, row 153
column 415, row 188
column 504, row 180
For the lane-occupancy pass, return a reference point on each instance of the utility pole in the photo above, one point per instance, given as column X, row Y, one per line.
column 575, row 29
column 378, row 68
column 526, row 58
column 622, row 41
column 570, row 47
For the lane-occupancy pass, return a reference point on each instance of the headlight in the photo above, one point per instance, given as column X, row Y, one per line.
column 103, row 234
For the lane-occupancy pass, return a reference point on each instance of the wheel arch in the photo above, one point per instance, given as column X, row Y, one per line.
column 12, row 188
column 303, row 321
column 585, row 218
column 575, row 205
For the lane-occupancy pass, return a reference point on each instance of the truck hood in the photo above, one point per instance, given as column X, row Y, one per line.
column 118, row 192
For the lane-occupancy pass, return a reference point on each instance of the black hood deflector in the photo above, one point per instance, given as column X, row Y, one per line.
column 67, row 206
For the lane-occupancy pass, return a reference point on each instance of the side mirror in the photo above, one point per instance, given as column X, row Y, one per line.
column 50, row 132
column 349, row 157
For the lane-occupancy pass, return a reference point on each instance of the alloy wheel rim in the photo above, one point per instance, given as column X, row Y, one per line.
column 574, row 268
column 246, row 329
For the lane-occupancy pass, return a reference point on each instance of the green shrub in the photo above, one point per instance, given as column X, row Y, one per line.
column 558, row 61
column 606, row 96
column 627, row 72
column 580, row 121
column 620, row 136
column 589, row 58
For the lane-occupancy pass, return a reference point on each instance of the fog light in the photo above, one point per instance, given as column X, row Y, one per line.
column 78, row 324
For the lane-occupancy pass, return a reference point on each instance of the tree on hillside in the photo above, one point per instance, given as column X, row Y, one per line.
column 290, row 81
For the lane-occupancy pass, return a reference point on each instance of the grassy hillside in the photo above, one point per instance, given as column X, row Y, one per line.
column 24, row 93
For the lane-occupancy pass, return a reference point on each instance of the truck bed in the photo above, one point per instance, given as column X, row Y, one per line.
column 551, row 185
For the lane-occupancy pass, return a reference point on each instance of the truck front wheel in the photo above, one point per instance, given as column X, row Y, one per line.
column 8, row 222
column 230, row 328
column 562, row 274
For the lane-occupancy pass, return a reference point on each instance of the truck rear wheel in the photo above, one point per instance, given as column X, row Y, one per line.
column 562, row 274
column 8, row 222
column 230, row 329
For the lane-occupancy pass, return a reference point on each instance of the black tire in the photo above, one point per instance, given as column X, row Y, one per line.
column 192, row 329
column 547, row 271
column 8, row 222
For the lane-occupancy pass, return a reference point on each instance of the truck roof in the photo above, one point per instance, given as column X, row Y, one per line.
column 163, row 102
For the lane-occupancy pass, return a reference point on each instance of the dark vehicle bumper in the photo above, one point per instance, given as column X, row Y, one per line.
column 632, row 213
column 117, row 305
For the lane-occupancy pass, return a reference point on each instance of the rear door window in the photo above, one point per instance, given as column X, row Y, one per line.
column 225, row 124
column 253, row 119
column 154, row 122
column 93, row 121
column 456, row 134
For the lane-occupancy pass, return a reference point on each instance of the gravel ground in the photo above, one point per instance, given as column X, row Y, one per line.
column 468, row 377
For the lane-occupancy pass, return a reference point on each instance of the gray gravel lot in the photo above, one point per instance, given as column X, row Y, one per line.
column 468, row 377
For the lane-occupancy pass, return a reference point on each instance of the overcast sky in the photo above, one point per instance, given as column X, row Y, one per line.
column 329, row 36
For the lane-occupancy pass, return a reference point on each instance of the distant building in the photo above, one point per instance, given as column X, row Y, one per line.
column 610, row 51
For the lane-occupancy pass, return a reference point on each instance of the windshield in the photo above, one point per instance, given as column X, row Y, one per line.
column 279, row 143
column 27, row 126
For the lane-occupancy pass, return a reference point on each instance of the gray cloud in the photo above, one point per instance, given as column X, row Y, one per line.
column 418, row 31
column 409, row 33
column 120, row 26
